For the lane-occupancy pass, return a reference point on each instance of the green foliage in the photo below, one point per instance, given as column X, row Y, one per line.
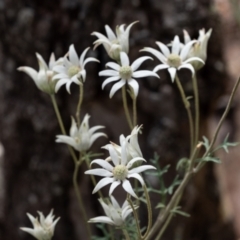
column 225, row 145
column 159, row 173
column 104, row 230
column 177, row 210
column 182, row 164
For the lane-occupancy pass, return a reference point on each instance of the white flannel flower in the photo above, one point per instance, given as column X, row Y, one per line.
column 83, row 137
column 72, row 69
column 199, row 49
column 114, row 43
column 44, row 77
column 125, row 73
column 115, row 215
column 120, row 172
column 43, row 229
column 175, row 59
column 131, row 144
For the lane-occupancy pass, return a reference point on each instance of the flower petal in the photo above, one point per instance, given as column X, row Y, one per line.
column 90, row 59
column 156, row 53
column 60, row 83
column 134, row 86
column 185, row 50
column 103, row 164
column 73, row 57
column 30, row 72
column 103, row 182
column 128, row 188
column 172, row 72
column 176, row 45
column 99, row 172
column 117, row 86
column 95, row 136
column 113, row 65
column 113, row 155
column 189, row 66
column 130, row 163
column 114, row 202
column 94, row 129
column 144, row 73
column 110, row 34
column 160, row 67
column 67, row 140
column 101, row 219
column 163, row 48
column 59, row 69
column 194, row 59
column 110, row 79
column 113, row 186
column 141, row 169
column 109, row 73
column 124, row 59
column 137, row 176
column 82, row 57
column 136, row 64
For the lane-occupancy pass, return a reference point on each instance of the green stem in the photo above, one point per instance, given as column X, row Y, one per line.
column 149, row 207
column 60, row 122
column 126, row 234
column 187, row 106
column 78, row 111
column 197, row 112
column 162, row 216
column 135, row 217
column 79, row 198
column 125, row 106
column 134, row 111
column 164, row 227
column 199, row 166
column 92, row 176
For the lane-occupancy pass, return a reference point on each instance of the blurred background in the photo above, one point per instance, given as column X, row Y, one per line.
column 36, row 173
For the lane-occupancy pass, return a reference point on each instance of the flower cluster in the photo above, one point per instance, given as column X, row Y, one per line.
column 44, row 77
column 125, row 73
column 83, row 137
column 72, row 69
column 43, row 229
column 125, row 161
column 123, row 167
column 114, row 43
column 65, row 70
column 115, row 215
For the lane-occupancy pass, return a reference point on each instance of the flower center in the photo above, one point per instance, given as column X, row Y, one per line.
column 73, row 70
column 120, row 172
column 77, row 140
column 174, row 60
column 125, row 72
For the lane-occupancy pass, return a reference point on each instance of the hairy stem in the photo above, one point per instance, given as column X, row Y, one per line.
column 134, row 111
column 197, row 112
column 149, row 207
column 200, row 165
column 187, row 106
column 135, row 217
column 79, row 198
column 125, row 106
column 126, row 234
column 92, row 176
column 78, row 111
column 60, row 122
column 164, row 215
